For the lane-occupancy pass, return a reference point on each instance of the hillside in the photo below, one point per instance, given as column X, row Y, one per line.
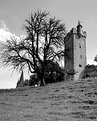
column 64, row 101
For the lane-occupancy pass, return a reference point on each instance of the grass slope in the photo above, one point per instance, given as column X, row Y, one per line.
column 64, row 101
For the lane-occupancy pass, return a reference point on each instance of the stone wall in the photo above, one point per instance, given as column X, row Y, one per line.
column 77, row 52
column 79, row 55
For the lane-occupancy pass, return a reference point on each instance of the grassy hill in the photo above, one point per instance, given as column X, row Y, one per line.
column 64, row 101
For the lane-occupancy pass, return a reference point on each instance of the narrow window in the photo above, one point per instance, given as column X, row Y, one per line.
column 80, row 56
column 80, row 65
column 79, row 46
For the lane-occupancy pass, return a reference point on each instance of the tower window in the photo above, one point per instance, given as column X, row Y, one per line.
column 80, row 65
column 80, row 56
column 79, row 46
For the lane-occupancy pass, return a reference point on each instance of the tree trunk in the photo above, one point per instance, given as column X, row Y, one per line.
column 42, row 82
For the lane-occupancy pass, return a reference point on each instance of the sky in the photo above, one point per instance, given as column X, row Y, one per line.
column 14, row 12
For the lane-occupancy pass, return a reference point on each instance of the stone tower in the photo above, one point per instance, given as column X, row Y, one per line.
column 75, row 45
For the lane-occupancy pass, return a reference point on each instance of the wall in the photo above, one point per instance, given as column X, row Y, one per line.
column 77, row 52
column 79, row 55
column 69, row 54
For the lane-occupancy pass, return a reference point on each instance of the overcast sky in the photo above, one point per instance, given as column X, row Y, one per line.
column 14, row 12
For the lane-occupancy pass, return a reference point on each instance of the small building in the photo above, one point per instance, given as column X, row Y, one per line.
column 75, row 45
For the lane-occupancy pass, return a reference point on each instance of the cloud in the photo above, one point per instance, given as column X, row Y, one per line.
column 4, row 35
column 91, row 62
column 3, row 25
column 5, row 32
column 7, row 80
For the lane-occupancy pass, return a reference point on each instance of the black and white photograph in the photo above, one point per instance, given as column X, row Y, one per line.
column 48, row 60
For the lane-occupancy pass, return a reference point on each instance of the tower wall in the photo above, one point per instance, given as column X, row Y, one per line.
column 76, row 44
column 79, row 45
column 69, row 52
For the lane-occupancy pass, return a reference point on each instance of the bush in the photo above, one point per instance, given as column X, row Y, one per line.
column 54, row 73
column 90, row 71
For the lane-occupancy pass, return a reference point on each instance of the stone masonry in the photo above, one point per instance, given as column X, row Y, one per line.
column 75, row 45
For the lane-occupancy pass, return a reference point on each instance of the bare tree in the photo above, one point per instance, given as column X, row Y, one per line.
column 44, row 41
